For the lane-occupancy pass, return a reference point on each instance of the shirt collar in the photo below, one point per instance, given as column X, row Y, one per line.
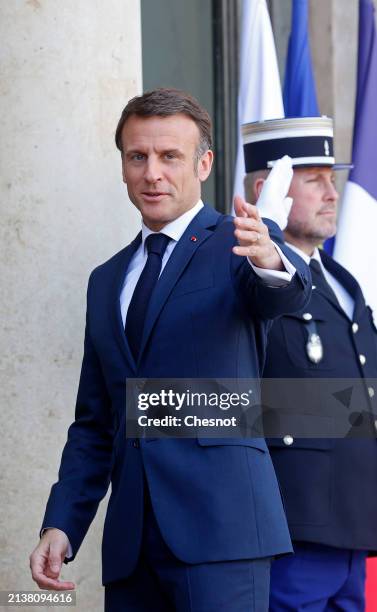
column 315, row 255
column 175, row 228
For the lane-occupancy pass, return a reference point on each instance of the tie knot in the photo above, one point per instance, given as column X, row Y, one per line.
column 315, row 266
column 157, row 243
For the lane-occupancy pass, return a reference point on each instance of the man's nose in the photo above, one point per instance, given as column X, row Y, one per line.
column 153, row 171
column 331, row 192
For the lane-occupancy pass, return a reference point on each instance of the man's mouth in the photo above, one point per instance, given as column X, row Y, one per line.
column 154, row 196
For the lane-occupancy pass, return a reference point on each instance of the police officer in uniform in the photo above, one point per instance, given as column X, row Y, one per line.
column 329, row 485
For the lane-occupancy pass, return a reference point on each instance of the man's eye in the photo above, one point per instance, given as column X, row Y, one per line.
column 169, row 155
column 137, row 157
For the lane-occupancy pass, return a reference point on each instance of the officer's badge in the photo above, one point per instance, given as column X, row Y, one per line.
column 314, row 348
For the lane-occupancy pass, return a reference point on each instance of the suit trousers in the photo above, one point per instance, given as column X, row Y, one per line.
column 318, row 578
column 163, row 583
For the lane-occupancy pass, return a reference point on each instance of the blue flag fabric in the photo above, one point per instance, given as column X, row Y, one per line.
column 299, row 96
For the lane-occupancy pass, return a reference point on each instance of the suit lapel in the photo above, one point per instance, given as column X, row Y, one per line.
column 348, row 281
column 178, row 261
column 115, row 311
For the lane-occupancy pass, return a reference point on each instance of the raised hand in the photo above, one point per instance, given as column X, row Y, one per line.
column 253, row 237
column 272, row 202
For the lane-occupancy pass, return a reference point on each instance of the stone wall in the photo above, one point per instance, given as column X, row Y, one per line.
column 68, row 69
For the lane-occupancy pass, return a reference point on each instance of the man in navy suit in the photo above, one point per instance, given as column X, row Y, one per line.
column 328, row 485
column 191, row 523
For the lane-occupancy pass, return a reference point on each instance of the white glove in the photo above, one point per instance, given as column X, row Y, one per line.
column 272, row 202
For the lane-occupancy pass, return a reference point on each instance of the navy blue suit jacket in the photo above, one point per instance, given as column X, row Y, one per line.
column 214, row 500
column 329, row 485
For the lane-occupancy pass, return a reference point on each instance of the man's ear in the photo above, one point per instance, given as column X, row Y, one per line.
column 123, row 169
column 205, row 165
column 258, row 186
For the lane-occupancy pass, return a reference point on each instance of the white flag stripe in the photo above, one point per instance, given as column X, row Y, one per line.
column 260, row 91
column 356, row 239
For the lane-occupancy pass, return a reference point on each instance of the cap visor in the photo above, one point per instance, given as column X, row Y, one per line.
column 343, row 166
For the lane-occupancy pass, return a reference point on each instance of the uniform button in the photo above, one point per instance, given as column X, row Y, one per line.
column 314, row 286
column 136, row 444
column 375, row 424
column 371, row 391
column 355, row 328
column 288, row 440
column 363, row 359
column 307, row 316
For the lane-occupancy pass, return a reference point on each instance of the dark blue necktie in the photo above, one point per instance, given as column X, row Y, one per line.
column 156, row 245
column 320, row 281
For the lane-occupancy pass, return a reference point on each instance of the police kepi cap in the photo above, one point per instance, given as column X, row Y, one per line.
column 307, row 140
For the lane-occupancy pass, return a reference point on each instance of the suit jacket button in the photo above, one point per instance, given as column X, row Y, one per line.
column 307, row 316
column 363, row 359
column 371, row 391
column 355, row 327
column 136, row 444
column 288, row 440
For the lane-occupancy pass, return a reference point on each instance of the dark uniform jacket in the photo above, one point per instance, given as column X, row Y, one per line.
column 329, row 485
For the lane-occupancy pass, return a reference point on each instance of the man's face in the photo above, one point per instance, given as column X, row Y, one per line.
column 313, row 214
column 160, row 169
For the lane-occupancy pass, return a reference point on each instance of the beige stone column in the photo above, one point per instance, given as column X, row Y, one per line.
column 68, row 69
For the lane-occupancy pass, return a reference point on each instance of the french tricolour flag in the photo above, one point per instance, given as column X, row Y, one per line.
column 355, row 246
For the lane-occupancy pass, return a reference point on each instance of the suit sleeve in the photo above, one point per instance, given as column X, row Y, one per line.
column 271, row 302
column 84, row 473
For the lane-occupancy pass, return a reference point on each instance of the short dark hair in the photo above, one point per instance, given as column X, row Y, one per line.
column 164, row 102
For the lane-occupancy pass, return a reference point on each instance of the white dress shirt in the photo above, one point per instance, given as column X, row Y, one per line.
column 344, row 298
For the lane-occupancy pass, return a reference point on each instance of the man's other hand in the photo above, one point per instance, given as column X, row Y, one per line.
column 253, row 237
column 47, row 558
column 272, row 202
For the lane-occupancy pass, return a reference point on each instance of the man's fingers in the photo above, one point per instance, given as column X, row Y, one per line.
column 39, row 567
column 250, row 224
column 282, row 173
column 55, row 558
column 243, row 209
column 46, row 562
column 245, row 251
column 50, row 583
column 287, row 204
column 245, row 236
column 239, row 204
column 252, row 211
